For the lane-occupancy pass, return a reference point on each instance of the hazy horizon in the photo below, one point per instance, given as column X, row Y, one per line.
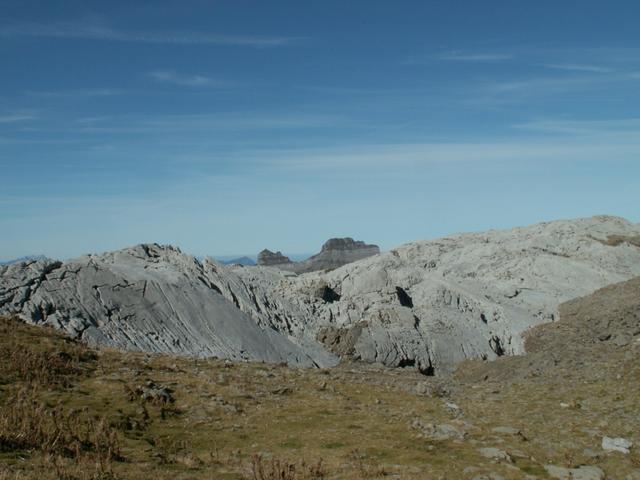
column 294, row 256
column 234, row 126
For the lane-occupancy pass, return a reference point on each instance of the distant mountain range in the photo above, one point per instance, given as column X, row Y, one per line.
column 252, row 259
column 28, row 258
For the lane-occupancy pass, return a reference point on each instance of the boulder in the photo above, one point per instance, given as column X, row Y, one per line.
column 618, row 444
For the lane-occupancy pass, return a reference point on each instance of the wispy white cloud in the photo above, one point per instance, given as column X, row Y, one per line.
column 95, row 92
column 475, row 57
column 79, row 30
column 537, row 84
column 160, row 124
column 625, row 127
column 518, row 90
column 574, row 67
column 167, row 76
column 414, row 157
column 17, row 117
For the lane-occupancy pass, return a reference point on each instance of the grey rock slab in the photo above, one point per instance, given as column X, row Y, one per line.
column 506, row 430
column 587, row 473
column 439, row 432
column 495, row 454
column 581, row 473
column 618, row 444
column 489, row 476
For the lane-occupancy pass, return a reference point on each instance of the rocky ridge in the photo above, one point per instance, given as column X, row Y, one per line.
column 149, row 297
column 427, row 305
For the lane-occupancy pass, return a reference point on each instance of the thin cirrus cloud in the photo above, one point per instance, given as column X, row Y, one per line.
column 625, row 127
column 87, row 92
column 391, row 157
column 16, row 117
column 573, row 67
column 475, row 57
column 193, row 123
column 171, row 77
column 97, row 32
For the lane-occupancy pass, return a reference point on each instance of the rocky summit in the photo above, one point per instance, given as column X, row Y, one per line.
column 267, row 258
column 335, row 253
column 426, row 305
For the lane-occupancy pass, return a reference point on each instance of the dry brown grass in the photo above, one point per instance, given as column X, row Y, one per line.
column 280, row 469
column 28, row 424
column 615, row 240
column 47, row 360
column 95, row 419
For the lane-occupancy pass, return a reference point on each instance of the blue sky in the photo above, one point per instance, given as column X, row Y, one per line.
column 225, row 127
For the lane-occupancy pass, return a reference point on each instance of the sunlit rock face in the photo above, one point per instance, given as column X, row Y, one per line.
column 425, row 305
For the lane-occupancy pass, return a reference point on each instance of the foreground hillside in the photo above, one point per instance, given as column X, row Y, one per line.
column 67, row 411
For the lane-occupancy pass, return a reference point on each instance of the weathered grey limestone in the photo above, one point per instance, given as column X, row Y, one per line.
column 432, row 304
column 149, row 298
column 427, row 304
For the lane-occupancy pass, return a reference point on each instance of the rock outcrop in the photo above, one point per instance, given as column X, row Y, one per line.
column 432, row 304
column 427, row 305
column 267, row 258
column 335, row 253
column 150, row 298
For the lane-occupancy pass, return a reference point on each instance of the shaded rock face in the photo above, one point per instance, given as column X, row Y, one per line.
column 335, row 253
column 427, row 305
column 267, row 258
column 346, row 243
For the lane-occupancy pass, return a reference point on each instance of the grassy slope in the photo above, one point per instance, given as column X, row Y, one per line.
column 359, row 422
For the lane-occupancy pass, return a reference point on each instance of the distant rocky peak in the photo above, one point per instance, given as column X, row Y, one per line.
column 267, row 258
column 346, row 243
column 335, row 253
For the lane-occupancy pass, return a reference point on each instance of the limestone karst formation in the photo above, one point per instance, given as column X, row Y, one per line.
column 428, row 304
